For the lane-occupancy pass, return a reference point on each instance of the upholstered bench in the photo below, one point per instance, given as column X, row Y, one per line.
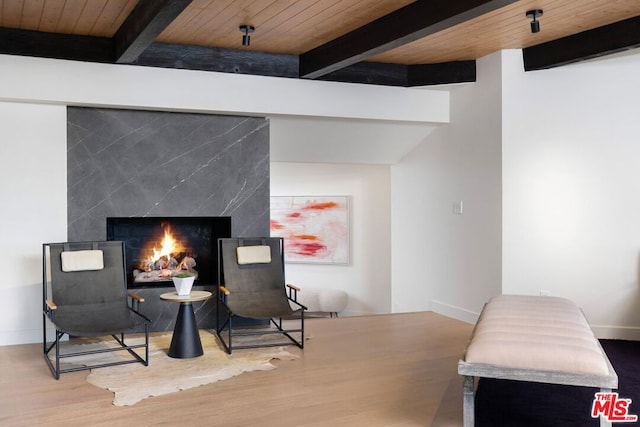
column 534, row 338
column 323, row 300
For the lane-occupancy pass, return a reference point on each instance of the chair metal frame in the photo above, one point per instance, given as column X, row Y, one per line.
column 225, row 315
column 49, row 309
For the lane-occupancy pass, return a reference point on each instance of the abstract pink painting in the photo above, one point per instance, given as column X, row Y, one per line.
column 315, row 228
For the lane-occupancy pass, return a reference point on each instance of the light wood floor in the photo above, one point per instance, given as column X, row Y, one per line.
column 384, row 370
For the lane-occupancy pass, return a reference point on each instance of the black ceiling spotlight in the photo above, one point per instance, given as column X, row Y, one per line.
column 246, row 38
column 533, row 15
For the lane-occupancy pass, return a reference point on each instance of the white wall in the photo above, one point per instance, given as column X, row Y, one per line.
column 443, row 261
column 571, row 183
column 366, row 279
column 33, row 189
column 327, row 140
column 558, row 150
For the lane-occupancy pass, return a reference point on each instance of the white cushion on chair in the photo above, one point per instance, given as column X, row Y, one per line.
column 253, row 254
column 82, row 260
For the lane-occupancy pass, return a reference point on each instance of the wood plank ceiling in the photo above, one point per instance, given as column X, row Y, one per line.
column 393, row 42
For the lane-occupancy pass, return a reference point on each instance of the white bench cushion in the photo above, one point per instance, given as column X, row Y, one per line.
column 536, row 333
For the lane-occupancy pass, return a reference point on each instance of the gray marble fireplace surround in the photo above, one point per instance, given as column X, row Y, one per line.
column 126, row 163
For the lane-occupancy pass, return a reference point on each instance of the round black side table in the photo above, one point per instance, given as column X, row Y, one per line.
column 185, row 342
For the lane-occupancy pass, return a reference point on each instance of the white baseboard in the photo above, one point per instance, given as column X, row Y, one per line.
column 454, row 312
column 351, row 313
column 630, row 333
column 22, row 337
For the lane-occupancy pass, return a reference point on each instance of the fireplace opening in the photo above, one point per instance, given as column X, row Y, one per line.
column 158, row 248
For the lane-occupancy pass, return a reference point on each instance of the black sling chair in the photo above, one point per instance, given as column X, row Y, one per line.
column 84, row 295
column 251, row 284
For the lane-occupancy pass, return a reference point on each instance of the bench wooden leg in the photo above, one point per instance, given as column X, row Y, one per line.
column 468, row 397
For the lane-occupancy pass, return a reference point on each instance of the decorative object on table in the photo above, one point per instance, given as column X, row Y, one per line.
column 315, row 228
column 183, row 283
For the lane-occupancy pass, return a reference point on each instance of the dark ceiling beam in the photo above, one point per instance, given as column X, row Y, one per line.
column 588, row 44
column 443, row 73
column 50, row 45
column 146, row 21
column 240, row 61
column 376, row 73
column 405, row 75
column 202, row 58
column 405, row 25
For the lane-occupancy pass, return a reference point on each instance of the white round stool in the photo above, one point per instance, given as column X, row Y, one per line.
column 322, row 300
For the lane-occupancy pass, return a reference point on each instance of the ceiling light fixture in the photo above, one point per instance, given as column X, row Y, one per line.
column 533, row 15
column 246, row 38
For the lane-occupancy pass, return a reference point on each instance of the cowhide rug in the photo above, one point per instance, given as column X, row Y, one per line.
column 134, row 382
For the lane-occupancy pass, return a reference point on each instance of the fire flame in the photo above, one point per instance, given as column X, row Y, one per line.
column 165, row 257
column 169, row 245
